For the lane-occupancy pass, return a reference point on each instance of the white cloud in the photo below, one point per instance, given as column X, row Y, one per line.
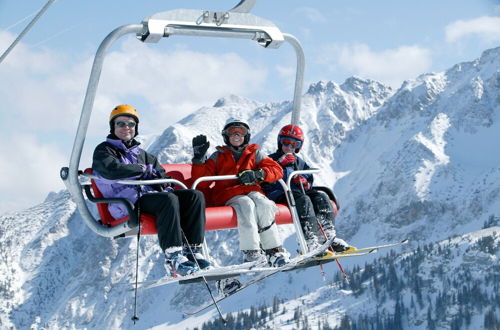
column 42, row 94
column 44, row 87
column 30, row 170
column 311, row 14
column 391, row 66
column 485, row 28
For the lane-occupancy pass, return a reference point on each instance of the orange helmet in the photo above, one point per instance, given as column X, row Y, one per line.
column 123, row 110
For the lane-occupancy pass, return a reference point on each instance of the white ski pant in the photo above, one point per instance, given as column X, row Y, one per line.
column 255, row 211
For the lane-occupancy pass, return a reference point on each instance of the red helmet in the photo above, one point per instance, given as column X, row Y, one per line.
column 292, row 131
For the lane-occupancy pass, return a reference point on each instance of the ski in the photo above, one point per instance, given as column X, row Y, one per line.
column 378, row 247
column 307, row 260
column 269, row 271
column 212, row 274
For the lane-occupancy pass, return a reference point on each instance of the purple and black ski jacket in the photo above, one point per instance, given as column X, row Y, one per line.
column 114, row 160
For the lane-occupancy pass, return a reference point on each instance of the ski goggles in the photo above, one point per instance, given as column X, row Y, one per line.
column 130, row 124
column 286, row 141
column 237, row 130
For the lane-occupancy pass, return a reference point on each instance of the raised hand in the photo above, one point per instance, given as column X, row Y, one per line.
column 200, row 147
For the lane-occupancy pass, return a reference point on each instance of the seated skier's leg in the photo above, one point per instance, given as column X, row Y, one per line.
column 192, row 212
column 307, row 217
column 165, row 206
column 326, row 219
column 247, row 227
column 270, row 238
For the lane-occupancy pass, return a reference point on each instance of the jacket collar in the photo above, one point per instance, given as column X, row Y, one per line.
column 125, row 146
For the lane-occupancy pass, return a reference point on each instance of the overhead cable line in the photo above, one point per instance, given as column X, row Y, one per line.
column 26, row 29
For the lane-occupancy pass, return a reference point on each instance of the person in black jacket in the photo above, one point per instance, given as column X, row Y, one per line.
column 314, row 208
column 180, row 213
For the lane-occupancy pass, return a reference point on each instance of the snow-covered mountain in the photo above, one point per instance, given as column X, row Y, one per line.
column 419, row 162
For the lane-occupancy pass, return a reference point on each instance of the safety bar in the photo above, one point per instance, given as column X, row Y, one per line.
column 293, row 210
column 289, row 198
column 137, row 182
column 295, row 173
column 213, row 178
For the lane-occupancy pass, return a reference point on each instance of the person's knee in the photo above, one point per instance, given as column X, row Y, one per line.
column 170, row 200
column 245, row 204
column 196, row 194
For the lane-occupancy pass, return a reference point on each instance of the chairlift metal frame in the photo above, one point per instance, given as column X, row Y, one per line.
column 235, row 23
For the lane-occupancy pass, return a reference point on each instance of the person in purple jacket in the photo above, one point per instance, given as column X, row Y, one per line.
column 180, row 213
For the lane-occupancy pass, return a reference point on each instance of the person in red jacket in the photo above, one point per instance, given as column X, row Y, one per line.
column 256, row 213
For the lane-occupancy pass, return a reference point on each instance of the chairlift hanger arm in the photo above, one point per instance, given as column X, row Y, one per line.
column 244, row 6
column 235, row 23
column 211, row 24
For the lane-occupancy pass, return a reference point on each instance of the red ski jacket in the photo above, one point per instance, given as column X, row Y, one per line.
column 222, row 162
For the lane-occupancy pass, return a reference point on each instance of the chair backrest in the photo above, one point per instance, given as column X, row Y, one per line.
column 181, row 172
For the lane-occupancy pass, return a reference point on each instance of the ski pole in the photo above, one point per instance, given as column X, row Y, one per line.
column 135, row 318
column 205, row 280
column 346, row 278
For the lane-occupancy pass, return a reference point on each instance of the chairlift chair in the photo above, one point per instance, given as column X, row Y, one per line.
column 235, row 23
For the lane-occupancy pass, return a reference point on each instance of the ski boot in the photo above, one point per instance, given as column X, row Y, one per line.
column 339, row 245
column 277, row 257
column 227, row 286
column 194, row 253
column 254, row 256
column 310, row 236
column 177, row 264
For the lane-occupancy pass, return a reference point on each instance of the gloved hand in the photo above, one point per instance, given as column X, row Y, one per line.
column 250, row 176
column 300, row 181
column 200, row 147
column 149, row 172
column 167, row 188
column 287, row 159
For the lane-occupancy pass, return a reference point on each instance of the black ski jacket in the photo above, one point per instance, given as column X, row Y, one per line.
column 274, row 191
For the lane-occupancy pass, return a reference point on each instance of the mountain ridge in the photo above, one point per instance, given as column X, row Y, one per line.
column 418, row 162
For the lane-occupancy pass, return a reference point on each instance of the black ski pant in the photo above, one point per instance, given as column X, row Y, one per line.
column 176, row 212
column 314, row 209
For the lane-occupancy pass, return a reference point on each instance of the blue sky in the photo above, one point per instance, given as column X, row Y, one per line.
column 44, row 78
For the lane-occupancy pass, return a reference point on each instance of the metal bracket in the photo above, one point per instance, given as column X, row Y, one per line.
column 218, row 17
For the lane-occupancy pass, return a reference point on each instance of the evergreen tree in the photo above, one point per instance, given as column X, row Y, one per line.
column 345, row 323
column 276, row 304
column 490, row 320
column 431, row 325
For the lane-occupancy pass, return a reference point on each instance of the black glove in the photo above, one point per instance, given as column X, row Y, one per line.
column 250, row 176
column 200, row 147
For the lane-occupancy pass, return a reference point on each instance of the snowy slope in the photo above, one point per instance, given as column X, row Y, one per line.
column 446, row 285
column 417, row 162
